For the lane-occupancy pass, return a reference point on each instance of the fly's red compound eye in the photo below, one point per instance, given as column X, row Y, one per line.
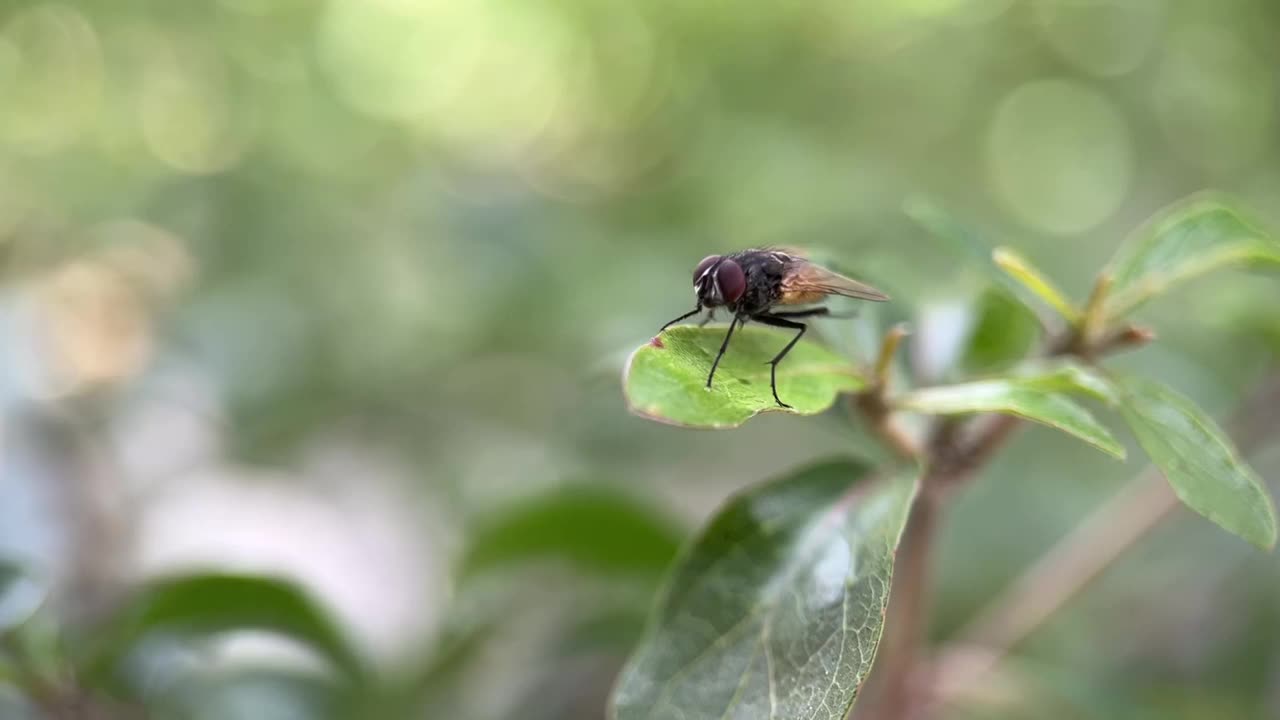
column 731, row 280
column 703, row 266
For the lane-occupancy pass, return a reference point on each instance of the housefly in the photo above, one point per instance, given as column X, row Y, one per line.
column 751, row 284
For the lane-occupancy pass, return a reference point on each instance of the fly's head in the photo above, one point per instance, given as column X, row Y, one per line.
column 718, row 281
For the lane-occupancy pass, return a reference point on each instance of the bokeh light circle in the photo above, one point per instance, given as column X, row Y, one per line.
column 462, row 69
column 1215, row 99
column 185, row 107
column 51, row 72
column 1059, row 156
column 1102, row 37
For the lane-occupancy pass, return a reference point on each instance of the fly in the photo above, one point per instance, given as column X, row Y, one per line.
column 751, row 284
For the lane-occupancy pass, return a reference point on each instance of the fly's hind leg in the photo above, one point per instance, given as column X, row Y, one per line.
column 779, row 320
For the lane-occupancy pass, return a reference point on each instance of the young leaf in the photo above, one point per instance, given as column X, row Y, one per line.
column 1004, row 333
column 209, row 604
column 1192, row 238
column 1068, row 377
column 666, row 378
column 776, row 609
column 596, row 529
column 1035, row 398
column 1021, row 269
column 1198, row 460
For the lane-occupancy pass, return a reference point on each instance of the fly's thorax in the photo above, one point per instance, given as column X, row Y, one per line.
column 764, row 275
column 762, row 293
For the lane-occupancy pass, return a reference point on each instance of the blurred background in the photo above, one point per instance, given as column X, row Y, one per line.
column 336, row 294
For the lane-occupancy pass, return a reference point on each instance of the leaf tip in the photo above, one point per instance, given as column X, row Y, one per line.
column 1003, row 256
column 1108, row 444
column 1264, row 541
column 1272, row 531
column 1010, row 260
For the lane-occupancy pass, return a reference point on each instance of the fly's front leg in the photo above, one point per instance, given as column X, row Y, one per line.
column 689, row 314
column 723, row 346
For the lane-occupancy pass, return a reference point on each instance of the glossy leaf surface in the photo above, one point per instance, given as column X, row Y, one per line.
column 776, row 609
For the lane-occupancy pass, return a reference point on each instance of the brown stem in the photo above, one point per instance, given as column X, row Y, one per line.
column 873, row 403
column 1067, row 568
column 893, row 691
column 955, row 452
column 888, row 350
column 1094, row 318
column 1052, row 581
column 881, row 422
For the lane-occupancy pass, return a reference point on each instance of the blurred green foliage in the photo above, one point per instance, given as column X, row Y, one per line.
column 366, row 249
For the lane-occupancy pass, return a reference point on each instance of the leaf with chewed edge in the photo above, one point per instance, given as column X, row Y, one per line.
column 665, row 379
column 776, row 609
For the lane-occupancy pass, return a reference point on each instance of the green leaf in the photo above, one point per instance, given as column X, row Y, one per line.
column 201, row 605
column 1029, row 277
column 665, row 379
column 11, row 577
column 1003, row 334
column 776, row 609
column 1034, row 397
column 1192, row 238
column 10, row 574
column 1068, row 377
column 595, row 528
column 20, row 595
column 613, row 629
column 1199, row 461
